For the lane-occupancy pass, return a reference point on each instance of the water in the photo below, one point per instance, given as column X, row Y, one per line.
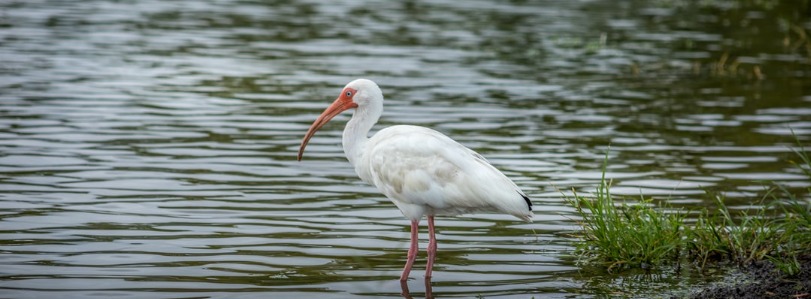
column 147, row 148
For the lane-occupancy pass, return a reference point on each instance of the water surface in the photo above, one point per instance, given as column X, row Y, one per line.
column 147, row 149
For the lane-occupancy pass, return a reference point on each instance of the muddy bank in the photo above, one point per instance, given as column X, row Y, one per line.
column 763, row 280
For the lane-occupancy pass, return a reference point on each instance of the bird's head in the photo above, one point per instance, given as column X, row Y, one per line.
column 360, row 93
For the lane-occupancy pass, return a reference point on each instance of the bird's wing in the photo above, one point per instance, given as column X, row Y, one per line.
column 421, row 167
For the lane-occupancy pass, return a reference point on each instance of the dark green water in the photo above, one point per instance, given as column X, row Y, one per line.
column 147, row 148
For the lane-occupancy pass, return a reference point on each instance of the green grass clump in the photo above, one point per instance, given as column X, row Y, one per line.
column 626, row 235
column 796, row 225
column 645, row 235
column 719, row 237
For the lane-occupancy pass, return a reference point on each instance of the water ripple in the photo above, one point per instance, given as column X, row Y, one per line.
column 147, row 149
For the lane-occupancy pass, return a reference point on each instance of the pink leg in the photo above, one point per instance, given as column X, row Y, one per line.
column 431, row 248
column 404, row 290
column 412, row 250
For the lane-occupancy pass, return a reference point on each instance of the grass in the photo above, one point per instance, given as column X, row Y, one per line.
column 796, row 228
column 644, row 235
column 719, row 236
column 626, row 235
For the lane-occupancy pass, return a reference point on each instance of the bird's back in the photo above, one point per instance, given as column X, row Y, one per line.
column 425, row 172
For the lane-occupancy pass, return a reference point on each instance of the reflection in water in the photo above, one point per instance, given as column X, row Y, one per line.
column 147, row 149
column 428, row 289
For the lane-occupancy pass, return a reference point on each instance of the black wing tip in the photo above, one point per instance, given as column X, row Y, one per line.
column 529, row 203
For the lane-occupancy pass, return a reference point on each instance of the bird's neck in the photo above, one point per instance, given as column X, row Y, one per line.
column 356, row 134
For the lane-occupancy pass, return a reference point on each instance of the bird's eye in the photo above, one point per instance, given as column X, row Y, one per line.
column 349, row 94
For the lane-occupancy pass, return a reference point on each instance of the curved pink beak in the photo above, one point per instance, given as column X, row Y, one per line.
column 340, row 104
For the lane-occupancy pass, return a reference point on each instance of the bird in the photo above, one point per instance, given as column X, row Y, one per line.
column 422, row 171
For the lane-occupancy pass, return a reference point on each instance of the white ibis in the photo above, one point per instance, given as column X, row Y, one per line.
column 422, row 171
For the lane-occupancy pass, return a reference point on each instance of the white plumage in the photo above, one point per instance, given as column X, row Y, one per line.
column 426, row 173
column 422, row 171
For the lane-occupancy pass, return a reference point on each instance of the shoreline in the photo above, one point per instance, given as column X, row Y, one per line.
column 762, row 280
